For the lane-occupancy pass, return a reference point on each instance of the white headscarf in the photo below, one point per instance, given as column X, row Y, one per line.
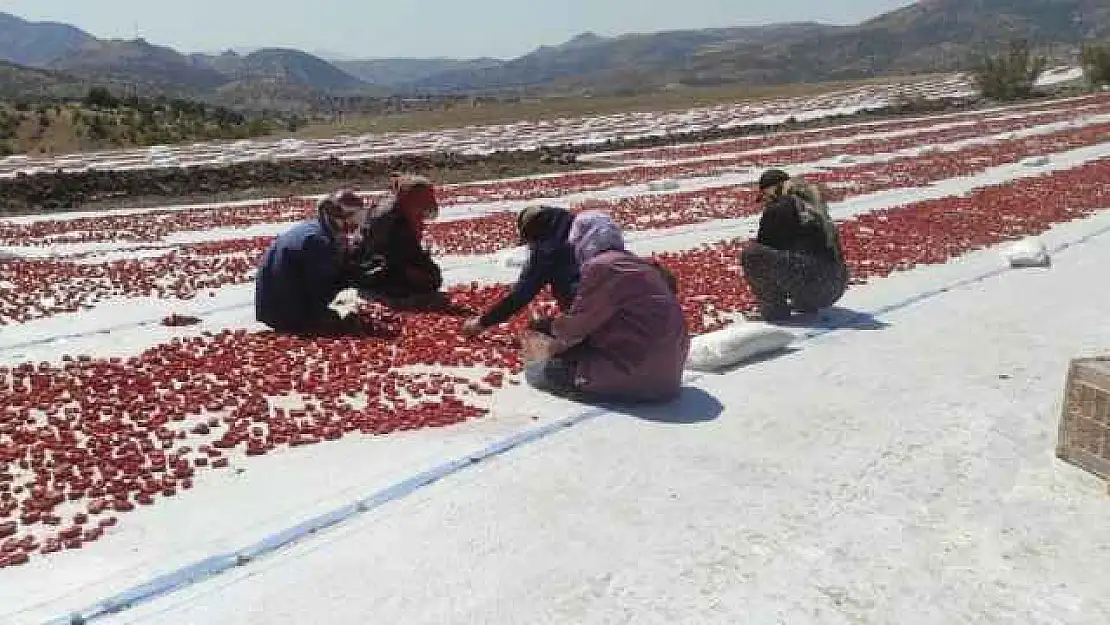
column 592, row 233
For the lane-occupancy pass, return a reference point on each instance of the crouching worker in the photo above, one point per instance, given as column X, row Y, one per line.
column 306, row 267
column 394, row 267
column 624, row 338
column 551, row 262
column 796, row 262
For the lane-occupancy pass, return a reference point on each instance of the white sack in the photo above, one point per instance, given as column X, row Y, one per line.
column 663, row 185
column 735, row 344
column 1027, row 253
column 1035, row 161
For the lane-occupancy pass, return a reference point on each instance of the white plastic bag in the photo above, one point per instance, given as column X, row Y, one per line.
column 735, row 344
column 663, row 185
column 1027, row 253
column 1035, row 161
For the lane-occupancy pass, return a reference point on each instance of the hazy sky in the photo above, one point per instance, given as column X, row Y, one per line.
column 458, row 28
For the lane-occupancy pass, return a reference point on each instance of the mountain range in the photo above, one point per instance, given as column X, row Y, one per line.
column 930, row 35
column 927, row 36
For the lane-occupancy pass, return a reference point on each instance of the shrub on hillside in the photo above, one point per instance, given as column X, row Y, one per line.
column 1010, row 75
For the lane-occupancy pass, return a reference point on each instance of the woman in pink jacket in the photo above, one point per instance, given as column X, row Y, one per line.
column 624, row 338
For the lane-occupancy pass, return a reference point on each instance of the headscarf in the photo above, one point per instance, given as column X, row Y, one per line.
column 770, row 184
column 813, row 210
column 537, row 223
column 343, row 213
column 415, row 200
column 592, row 233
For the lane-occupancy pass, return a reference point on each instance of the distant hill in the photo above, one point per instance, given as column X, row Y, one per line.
column 18, row 81
column 931, row 35
column 37, row 44
column 401, row 72
column 934, row 35
column 282, row 65
column 598, row 59
column 140, row 62
column 271, row 95
column 153, row 68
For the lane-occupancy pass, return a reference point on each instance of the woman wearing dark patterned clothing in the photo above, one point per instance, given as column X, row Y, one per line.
column 796, row 262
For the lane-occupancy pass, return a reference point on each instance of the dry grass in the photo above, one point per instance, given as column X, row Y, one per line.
column 551, row 108
column 57, row 138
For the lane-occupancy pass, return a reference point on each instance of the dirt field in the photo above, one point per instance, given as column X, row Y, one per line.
column 573, row 107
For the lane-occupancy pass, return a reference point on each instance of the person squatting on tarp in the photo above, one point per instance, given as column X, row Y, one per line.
column 796, row 262
column 551, row 262
column 307, row 266
column 393, row 266
column 624, row 338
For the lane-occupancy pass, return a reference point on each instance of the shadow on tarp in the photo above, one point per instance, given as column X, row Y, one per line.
column 836, row 318
column 694, row 405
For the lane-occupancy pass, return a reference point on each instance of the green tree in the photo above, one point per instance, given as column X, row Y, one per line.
column 100, row 98
column 1096, row 63
column 1010, row 75
column 9, row 125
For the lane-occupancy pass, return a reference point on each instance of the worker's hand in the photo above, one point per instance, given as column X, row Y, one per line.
column 472, row 327
column 536, row 346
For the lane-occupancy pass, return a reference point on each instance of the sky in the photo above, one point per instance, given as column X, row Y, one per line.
column 417, row 28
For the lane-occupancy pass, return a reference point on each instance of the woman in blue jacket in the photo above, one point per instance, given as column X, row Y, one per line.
column 307, row 266
column 551, row 262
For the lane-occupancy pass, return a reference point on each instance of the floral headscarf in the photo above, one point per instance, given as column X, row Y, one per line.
column 592, row 233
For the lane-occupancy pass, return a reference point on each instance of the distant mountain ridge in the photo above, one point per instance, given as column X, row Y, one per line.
column 37, row 44
column 282, row 65
column 71, row 50
column 928, row 36
column 931, row 35
column 590, row 58
column 139, row 61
